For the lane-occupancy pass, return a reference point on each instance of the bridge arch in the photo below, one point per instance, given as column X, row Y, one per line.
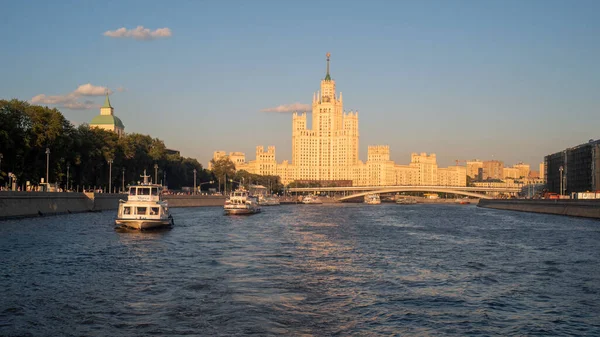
column 417, row 189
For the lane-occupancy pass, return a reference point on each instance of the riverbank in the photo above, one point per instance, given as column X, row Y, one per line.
column 176, row 201
column 33, row 204
column 578, row 208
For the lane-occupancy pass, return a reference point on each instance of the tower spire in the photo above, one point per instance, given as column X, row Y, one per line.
column 106, row 101
column 327, row 77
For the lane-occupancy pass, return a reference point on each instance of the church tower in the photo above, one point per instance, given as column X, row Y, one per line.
column 107, row 120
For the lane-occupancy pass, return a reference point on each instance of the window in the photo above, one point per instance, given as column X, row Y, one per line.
column 140, row 210
column 132, row 191
column 154, row 191
column 153, row 210
column 127, row 210
column 144, row 191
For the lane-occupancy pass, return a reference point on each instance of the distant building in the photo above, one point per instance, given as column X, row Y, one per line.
column 578, row 168
column 107, row 120
column 475, row 169
column 523, row 170
column 542, row 171
column 238, row 158
column 173, row 152
column 328, row 151
column 493, row 169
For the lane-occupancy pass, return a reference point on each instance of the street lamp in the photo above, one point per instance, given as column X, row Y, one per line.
column 123, row 182
column 47, row 163
column 200, row 185
column 68, row 167
column 561, row 169
column 110, row 161
column 194, row 181
column 156, row 173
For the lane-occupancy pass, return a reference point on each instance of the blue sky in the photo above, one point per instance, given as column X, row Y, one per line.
column 507, row 80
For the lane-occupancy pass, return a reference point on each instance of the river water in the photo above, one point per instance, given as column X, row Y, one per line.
column 302, row 270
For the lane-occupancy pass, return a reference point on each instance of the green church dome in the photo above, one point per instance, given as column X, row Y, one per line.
column 107, row 120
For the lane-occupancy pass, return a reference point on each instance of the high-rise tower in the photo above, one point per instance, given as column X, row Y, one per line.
column 326, row 151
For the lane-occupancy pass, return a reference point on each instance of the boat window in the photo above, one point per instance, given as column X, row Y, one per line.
column 154, row 191
column 127, row 210
column 140, row 210
column 132, row 191
column 153, row 210
column 143, row 191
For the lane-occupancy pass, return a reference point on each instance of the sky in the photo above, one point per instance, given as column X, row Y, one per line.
column 505, row 80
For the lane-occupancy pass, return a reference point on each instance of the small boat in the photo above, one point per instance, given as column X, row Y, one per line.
column 463, row 201
column 240, row 202
column 144, row 208
column 264, row 200
column 311, row 199
column 372, row 199
column 406, row 201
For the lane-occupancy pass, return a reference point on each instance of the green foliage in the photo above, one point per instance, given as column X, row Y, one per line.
column 27, row 130
column 222, row 169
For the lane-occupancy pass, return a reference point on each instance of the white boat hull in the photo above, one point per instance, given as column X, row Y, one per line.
column 142, row 224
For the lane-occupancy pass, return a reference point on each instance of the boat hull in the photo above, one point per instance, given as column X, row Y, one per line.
column 241, row 211
column 142, row 224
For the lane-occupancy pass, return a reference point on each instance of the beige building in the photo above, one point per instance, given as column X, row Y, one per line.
column 510, row 173
column 328, row 151
column 474, row 167
column 238, row 158
column 107, row 120
column 542, row 171
column 523, row 169
column 493, row 169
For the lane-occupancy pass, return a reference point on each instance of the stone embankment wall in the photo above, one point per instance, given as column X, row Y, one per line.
column 30, row 204
column 579, row 208
column 194, row 200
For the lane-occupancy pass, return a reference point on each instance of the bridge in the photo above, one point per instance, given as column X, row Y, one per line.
column 357, row 191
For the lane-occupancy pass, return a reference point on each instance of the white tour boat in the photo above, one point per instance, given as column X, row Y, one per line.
column 372, row 199
column 240, row 202
column 144, row 208
column 311, row 199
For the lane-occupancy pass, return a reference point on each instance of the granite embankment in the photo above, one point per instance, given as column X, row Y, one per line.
column 579, row 208
column 30, row 204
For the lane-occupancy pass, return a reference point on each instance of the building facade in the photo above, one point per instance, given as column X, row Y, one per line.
column 328, row 151
column 107, row 120
column 576, row 169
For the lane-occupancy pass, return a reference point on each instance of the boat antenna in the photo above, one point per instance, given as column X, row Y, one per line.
column 145, row 178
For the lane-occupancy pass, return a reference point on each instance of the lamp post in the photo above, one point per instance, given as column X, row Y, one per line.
column 561, row 169
column 123, row 181
column 68, row 167
column 206, row 182
column 47, row 163
column 109, row 175
column 156, row 173
column 194, row 181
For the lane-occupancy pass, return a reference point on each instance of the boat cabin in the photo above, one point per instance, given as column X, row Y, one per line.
column 144, row 193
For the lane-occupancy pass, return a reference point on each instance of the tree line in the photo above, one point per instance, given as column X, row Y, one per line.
column 27, row 131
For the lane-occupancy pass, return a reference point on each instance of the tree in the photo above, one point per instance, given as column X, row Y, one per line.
column 222, row 169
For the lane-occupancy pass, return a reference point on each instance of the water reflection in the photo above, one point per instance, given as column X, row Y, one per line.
column 294, row 270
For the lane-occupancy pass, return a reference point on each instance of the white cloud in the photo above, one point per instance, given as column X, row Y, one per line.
column 72, row 100
column 91, row 90
column 139, row 33
column 299, row 107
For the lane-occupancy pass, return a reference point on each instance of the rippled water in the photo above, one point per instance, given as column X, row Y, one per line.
column 322, row 270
